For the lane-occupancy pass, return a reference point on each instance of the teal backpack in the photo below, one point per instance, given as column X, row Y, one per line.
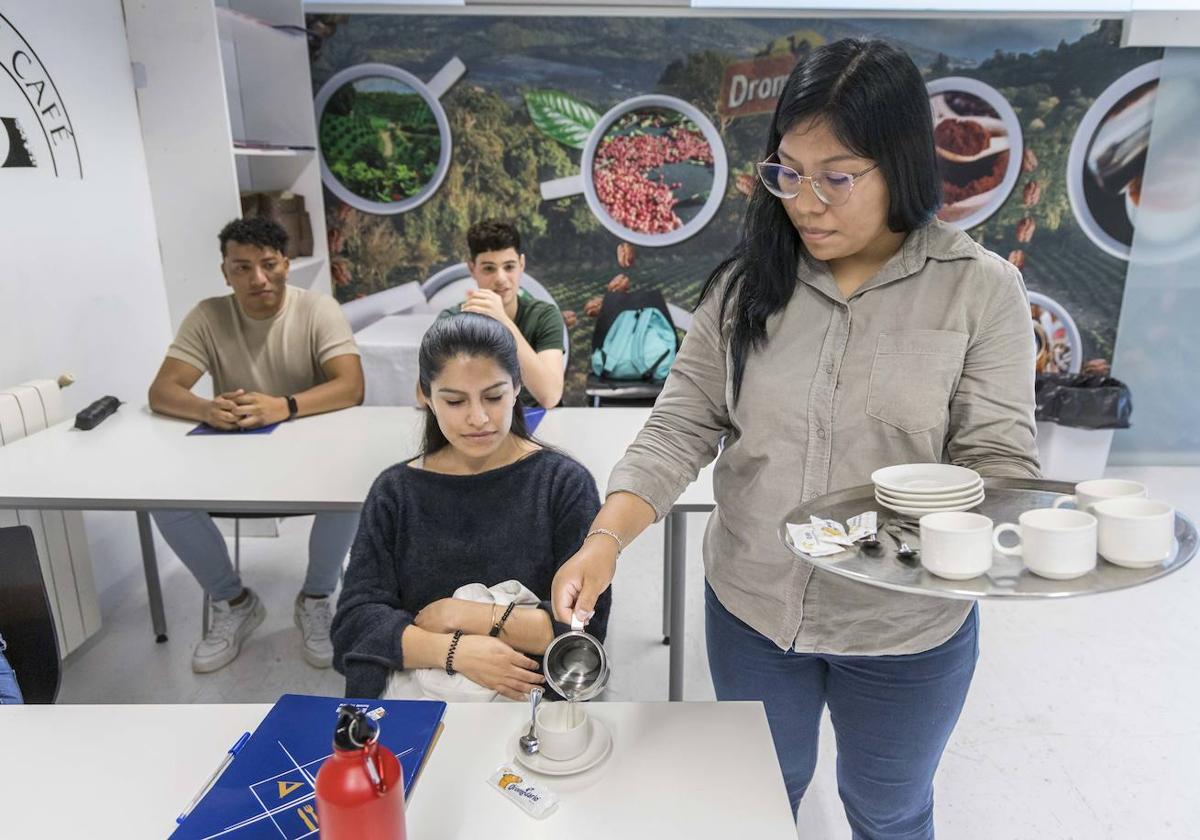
column 640, row 344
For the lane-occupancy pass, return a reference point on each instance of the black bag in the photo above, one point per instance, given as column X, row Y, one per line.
column 1083, row 401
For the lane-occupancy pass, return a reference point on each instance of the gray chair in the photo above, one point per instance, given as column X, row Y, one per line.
column 603, row 390
column 26, row 622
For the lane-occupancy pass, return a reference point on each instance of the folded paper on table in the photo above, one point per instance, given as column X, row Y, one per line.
column 205, row 429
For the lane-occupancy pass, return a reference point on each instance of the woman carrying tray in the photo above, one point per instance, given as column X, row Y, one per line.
column 847, row 331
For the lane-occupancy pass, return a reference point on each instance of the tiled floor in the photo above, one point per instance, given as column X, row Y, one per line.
column 1083, row 721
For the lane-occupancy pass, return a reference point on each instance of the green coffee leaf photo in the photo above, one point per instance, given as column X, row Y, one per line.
column 560, row 117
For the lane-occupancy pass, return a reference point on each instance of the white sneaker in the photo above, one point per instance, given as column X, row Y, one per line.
column 228, row 627
column 313, row 618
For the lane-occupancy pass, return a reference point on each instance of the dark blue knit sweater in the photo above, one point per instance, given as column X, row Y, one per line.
column 424, row 534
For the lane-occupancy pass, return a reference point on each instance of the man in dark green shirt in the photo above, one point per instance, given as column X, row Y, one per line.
column 496, row 263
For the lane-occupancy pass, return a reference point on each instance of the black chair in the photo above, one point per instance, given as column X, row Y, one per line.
column 26, row 622
column 627, row 392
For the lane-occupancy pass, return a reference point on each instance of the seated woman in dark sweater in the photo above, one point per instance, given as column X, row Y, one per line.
column 483, row 504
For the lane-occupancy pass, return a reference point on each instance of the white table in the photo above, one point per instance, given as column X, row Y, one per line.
column 598, row 438
column 139, row 461
column 390, row 348
column 696, row 770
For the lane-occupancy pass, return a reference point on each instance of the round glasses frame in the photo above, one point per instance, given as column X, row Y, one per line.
column 770, row 166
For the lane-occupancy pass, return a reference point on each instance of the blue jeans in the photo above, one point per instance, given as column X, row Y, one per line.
column 10, row 692
column 194, row 537
column 892, row 716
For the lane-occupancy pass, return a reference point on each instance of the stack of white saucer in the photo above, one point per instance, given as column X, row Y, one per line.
column 917, row 489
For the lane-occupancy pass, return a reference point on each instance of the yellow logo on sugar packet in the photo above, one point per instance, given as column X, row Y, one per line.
column 509, row 779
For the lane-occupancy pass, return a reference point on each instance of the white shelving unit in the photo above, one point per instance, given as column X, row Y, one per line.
column 219, row 73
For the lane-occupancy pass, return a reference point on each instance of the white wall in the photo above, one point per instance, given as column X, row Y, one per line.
column 81, row 285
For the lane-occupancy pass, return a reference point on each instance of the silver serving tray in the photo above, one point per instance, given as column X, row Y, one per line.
column 1007, row 498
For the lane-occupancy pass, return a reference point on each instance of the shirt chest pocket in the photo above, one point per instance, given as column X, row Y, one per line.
column 913, row 376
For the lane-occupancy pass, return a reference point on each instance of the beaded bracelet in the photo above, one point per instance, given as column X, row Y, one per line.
column 499, row 625
column 450, row 653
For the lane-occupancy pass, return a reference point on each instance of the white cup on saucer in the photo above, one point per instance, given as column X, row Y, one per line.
column 1134, row 532
column 956, row 546
column 1056, row 543
column 1089, row 493
column 563, row 730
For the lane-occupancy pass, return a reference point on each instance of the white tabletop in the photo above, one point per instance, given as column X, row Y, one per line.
column 136, row 460
column 407, row 329
column 697, row 770
column 598, row 437
column 390, row 350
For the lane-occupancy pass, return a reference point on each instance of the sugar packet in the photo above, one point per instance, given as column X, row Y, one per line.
column 807, row 539
column 830, row 531
column 533, row 799
column 862, row 526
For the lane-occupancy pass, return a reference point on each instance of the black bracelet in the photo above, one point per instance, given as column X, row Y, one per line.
column 450, row 653
column 499, row 625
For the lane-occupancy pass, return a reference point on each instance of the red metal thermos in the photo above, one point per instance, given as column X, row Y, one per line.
column 360, row 788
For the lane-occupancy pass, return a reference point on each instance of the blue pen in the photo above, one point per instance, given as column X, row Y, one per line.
column 229, row 756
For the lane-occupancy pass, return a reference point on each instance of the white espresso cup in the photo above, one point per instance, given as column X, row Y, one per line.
column 1056, row 544
column 563, row 730
column 1088, row 493
column 1133, row 532
column 956, row 546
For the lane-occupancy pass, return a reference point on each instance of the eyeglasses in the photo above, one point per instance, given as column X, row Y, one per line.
column 832, row 188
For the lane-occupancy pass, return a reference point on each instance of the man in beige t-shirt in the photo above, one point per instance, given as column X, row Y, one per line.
column 275, row 352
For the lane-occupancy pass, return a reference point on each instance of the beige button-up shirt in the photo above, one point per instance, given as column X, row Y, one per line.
column 931, row 360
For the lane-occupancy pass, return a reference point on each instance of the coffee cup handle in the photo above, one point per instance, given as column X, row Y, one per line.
column 1062, row 500
column 1007, row 527
column 576, row 624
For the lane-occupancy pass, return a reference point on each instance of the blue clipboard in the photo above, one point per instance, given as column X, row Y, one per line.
column 268, row 790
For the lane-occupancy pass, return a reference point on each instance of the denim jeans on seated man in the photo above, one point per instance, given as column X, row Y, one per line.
column 194, row 537
column 10, row 692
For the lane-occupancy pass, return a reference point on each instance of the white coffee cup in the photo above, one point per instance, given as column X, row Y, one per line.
column 1056, row 544
column 956, row 546
column 563, row 730
column 1088, row 493
column 1133, row 532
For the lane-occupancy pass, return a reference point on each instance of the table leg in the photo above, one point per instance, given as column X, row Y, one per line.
column 666, row 612
column 677, row 525
column 153, row 587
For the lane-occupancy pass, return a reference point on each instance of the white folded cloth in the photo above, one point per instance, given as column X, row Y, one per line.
column 435, row 683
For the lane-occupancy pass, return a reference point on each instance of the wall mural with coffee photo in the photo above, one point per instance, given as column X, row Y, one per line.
column 624, row 149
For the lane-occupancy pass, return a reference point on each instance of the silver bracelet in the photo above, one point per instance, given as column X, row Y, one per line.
column 607, row 533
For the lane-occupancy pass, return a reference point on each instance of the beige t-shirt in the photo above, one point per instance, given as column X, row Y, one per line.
column 281, row 355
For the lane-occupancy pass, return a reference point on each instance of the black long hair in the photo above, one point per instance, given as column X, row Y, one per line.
column 473, row 336
column 875, row 102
